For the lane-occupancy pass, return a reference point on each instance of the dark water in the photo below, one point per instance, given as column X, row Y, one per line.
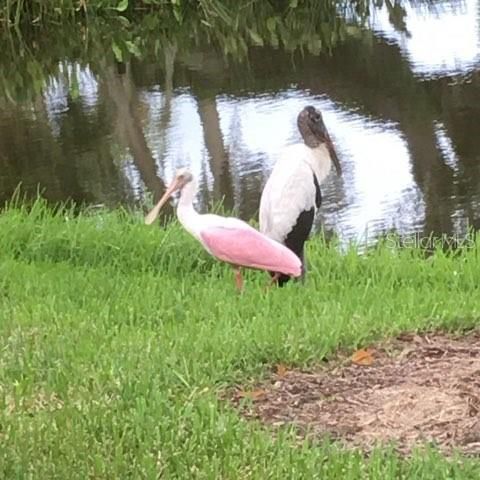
column 400, row 96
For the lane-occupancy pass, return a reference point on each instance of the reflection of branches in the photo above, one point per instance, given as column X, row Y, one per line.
column 34, row 163
column 247, row 181
column 396, row 16
column 170, row 51
column 79, row 167
column 219, row 164
column 434, row 178
column 121, row 91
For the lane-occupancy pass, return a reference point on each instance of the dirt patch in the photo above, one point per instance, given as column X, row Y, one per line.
column 419, row 389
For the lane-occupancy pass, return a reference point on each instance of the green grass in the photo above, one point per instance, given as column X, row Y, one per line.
column 116, row 339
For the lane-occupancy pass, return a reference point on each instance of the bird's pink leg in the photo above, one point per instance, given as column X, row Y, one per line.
column 238, row 279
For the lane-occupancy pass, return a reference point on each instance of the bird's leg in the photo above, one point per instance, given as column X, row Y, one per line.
column 304, row 271
column 272, row 281
column 238, row 279
column 304, row 266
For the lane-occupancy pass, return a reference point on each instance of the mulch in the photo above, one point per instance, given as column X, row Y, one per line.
column 413, row 390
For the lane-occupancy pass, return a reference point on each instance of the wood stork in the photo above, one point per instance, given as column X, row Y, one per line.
column 226, row 238
column 292, row 196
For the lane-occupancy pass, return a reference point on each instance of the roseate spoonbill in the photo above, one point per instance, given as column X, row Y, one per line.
column 226, row 238
column 292, row 196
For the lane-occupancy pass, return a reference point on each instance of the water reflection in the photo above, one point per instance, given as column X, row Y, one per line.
column 404, row 124
column 381, row 192
column 437, row 39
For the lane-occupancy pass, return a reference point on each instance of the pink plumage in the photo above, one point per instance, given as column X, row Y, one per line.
column 226, row 238
column 248, row 248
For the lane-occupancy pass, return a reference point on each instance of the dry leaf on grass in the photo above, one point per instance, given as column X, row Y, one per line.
column 363, row 357
column 281, row 370
column 253, row 395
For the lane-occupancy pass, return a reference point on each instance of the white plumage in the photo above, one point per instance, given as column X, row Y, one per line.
column 290, row 189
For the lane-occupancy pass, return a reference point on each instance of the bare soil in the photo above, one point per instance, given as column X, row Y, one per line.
column 418, row 389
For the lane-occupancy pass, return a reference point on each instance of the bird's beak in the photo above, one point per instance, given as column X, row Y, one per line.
column 153, row 214
column 321, row 132
column 331, row 149
column 333, row 154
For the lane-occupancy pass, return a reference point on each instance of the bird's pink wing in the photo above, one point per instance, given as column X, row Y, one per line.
column 249, row 248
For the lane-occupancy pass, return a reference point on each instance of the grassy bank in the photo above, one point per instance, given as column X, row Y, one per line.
column 115, row 339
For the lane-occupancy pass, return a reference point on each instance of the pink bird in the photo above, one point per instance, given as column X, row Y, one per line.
column 226, row 238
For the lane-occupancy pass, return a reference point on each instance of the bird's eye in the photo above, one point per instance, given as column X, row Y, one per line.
column 316, row 117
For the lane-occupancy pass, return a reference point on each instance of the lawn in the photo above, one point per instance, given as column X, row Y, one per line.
column 117, row 339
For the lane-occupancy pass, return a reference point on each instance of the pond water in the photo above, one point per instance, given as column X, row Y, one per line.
column 400, row 96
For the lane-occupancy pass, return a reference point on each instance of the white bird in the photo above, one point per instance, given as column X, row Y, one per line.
column 292, row 196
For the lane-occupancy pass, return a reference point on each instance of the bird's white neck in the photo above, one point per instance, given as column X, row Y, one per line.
column 186, row 214
column 321, row 162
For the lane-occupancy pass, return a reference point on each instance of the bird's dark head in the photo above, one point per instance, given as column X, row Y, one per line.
column 314, row 132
